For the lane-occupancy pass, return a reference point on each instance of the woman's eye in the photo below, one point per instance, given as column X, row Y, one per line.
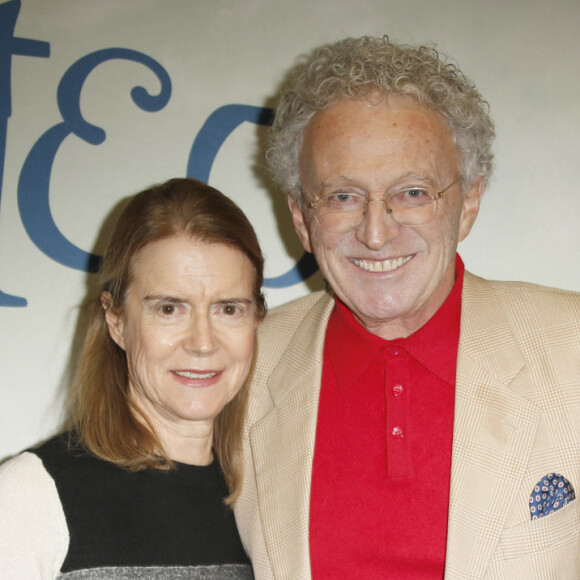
column 168, row 309
column 233, row 309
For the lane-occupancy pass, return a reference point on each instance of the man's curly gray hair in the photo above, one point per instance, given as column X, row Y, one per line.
column 355, row 67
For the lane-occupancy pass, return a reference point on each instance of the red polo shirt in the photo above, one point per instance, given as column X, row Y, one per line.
column 380, row 478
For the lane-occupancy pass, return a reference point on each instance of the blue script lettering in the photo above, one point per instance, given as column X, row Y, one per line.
column 33, row 186
column 9, row 45
column 34, row 183
column 218, row 127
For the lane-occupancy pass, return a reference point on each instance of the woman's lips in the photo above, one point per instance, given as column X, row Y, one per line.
column 198, row 378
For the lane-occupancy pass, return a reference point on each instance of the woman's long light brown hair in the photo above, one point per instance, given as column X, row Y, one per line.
column 106, row 422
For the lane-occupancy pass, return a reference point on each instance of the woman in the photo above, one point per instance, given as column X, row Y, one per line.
column 138, row 485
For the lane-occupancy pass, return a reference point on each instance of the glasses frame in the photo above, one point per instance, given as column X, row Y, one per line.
column 437, row 196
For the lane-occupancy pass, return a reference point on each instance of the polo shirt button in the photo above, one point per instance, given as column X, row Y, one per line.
column 397, row 433
column 393, row 350
column 398, row 390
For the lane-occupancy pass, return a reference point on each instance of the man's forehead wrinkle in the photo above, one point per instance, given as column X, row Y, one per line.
column 339, row 179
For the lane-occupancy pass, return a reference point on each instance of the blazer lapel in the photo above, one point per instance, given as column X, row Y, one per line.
column 494, row 430
column 282, row 444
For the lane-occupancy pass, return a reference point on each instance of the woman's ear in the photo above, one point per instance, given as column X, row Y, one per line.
column 114, row 320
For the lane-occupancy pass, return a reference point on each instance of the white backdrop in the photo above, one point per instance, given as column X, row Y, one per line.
column 523, row 56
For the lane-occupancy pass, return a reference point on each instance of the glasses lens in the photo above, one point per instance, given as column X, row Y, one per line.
column 415, row 216
column 341, row 212
column 348, row 212
column 341, row 221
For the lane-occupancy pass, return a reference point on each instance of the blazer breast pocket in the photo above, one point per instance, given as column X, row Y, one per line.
column 558, row 530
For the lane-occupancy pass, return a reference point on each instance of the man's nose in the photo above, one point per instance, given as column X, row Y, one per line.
column 199, row 336
column 378, row 227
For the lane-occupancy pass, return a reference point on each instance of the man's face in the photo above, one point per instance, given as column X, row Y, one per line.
column 393, row 278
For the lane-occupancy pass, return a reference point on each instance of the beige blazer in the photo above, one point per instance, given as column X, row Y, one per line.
column 517, row 418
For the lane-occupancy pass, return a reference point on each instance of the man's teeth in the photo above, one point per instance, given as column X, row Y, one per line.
column 190, row 375
column 382, row 265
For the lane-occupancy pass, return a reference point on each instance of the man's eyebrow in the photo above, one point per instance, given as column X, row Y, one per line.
column 340, row 180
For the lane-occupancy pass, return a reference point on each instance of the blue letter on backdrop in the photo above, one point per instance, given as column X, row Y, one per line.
column 218, row 127
column 9, row 46
column 34, row 183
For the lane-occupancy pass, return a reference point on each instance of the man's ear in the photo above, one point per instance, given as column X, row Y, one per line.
column 470, row 209
column 114, row 320
column 299, row 223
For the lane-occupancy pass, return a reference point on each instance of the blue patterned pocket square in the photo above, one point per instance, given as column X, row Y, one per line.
column 550, row 494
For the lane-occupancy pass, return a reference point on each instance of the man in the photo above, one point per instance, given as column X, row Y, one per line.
column 415, row 420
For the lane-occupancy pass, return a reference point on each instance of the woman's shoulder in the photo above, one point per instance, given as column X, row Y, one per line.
column 60, row 448
column 25, row 478
column 66, row 460
column 22, row 468
column 33, row 531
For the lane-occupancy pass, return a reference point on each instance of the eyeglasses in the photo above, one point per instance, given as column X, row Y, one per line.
column 410, row 207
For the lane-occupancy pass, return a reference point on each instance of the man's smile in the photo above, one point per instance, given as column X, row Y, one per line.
column 382, row 265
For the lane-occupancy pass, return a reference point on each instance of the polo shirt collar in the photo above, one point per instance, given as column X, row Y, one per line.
column 350, row 348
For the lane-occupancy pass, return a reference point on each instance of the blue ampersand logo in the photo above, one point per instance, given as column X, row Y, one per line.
column 34, row 183
column 218, row 127
column 33, row 186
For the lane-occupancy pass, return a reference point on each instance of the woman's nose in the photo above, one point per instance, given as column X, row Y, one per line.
column 199, row 336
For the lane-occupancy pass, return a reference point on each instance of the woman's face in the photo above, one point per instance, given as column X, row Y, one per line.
column 187, row 329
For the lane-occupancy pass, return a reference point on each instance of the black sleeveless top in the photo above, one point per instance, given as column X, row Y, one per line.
column 148, row 524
